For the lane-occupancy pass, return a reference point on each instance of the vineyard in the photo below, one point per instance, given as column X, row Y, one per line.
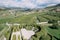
column 46, row 25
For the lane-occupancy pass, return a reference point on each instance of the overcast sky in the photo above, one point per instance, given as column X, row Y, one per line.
column 28, row 3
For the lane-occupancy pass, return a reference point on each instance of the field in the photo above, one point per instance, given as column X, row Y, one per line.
column 28, row 20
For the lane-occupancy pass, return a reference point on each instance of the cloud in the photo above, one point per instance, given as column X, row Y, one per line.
column 22, row 3
column 42, row 1
column 28, row 3
column 56, row 1
column 51, row 5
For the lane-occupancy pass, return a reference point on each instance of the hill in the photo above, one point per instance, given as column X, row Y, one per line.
column 53, row 10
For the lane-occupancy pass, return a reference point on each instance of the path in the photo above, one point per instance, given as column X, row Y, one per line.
column 17, row 34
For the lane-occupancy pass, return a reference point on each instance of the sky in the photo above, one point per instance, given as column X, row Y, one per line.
column 28, row 3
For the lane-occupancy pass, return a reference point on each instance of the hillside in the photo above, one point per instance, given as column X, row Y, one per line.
column 53, row 10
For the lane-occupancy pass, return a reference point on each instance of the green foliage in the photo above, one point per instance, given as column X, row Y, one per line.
column 14, row 37
column 44, row 32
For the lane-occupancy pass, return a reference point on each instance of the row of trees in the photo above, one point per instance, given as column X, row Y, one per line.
column 53, row 13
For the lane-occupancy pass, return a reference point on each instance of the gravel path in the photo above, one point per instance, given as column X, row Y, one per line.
column 17, row 34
